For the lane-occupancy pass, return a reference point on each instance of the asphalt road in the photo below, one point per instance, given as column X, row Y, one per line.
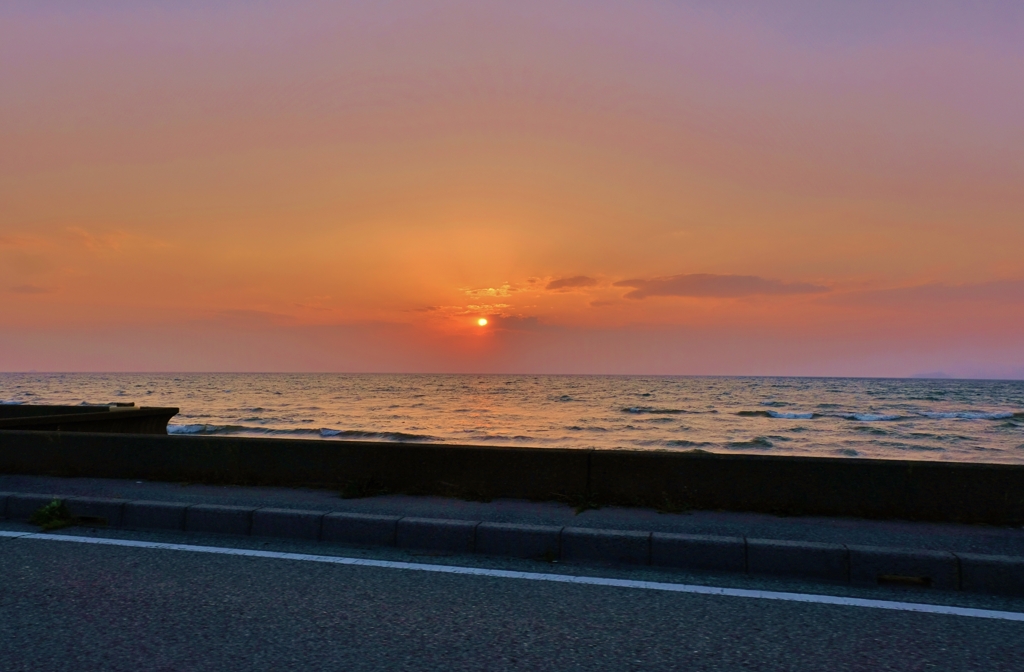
column 72, row 606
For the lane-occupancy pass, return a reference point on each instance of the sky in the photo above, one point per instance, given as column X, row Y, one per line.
column 623, row 187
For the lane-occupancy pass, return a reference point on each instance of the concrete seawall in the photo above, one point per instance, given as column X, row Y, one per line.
column 934, row 491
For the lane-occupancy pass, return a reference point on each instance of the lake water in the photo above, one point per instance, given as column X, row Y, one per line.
column 956, row 420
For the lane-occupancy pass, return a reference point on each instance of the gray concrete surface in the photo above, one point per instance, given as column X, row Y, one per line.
column 928, row 536
column 287, row 523
column 437, row 534
column 144, row 515
column 699, row 552
column 937, row 569
column 614, row 546
column 360, row 528
column 828, row 562
column 991, row 573
column 519, row 541
column 76, row 607
column 218, row 518
column 835, row 562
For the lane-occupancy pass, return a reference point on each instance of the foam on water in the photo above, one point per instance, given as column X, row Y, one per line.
column 872, row 417
column 967, row 415
column 791, row 416
column 974, row 421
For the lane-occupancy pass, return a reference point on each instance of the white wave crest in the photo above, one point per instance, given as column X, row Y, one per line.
column 968, row 415
column 871, row 417
column 191, row 429
column 790, row 416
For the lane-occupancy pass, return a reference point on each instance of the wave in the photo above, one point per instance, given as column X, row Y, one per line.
column 649, row 409
column 10, row 402
column 870, row 430
column 791, row 416
column 777, row 414
column 969, row 415
column 238, row 429
column 683, row 443
column 900, row 445
column 871, row 417
column 383, row 436
column 217, row 429
column 324, row 433
column 756, row 442
column 774, row 403
column 500, row 437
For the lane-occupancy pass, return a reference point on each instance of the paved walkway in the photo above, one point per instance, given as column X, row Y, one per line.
column 929, row 536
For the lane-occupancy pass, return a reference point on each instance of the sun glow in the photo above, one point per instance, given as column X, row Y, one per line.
column 482, row 321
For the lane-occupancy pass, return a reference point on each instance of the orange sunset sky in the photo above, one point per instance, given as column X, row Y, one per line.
column 791, row 188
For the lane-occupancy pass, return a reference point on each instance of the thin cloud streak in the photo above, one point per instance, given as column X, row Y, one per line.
column 709, row 285
column 31, row 289
column 575, row 282
column 998, row 291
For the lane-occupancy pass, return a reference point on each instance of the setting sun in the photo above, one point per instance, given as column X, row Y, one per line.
column 717, row 213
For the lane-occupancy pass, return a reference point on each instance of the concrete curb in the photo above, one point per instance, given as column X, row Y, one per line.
column 433, row 534
column 519, row 541
column 145, row 515
column 104, row 511
column 360, row 528
column 617, row 546
column 935, row 569
column 998, row 574
column 22, row 506
column 217, row 519
column 287, row 523
column 850, row 564
column 699, row 552
column 828, row 562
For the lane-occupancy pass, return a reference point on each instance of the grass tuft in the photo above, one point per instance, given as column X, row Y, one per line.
column 580, row 502
column 53, row 516
column 363, row 487
column 466, row 494
column 671, row 504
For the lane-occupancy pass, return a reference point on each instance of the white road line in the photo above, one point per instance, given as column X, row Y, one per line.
column 532, row 576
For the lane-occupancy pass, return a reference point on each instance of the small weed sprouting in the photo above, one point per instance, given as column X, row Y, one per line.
column 53, row 516
column 466, row 494
column 549, row 557
column 363, row 487
column 580, row 502
column 671, row 505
